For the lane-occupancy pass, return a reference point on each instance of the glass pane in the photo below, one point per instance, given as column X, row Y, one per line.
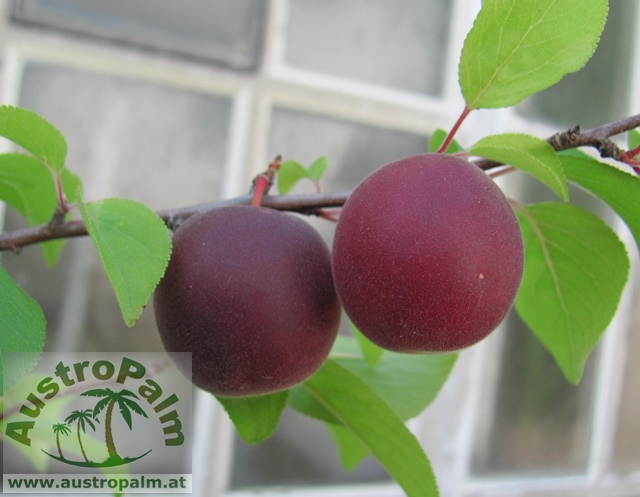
column 223, row 31
column 598, row 93
column 161, row 146
column 540, row 423
column 353, row 150
column 399, row 44
column 626, row 458
column 158, row 145
column 301, row 452
column 535, row 422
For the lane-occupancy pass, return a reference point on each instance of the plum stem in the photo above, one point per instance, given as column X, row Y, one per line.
column 260, row 185
column 329, row 214
column 263, row 181
column 496, row 173
column 447, row 141
column 63, row 207
column 631, row 157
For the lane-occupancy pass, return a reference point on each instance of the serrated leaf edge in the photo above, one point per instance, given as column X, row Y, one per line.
column 131, row 319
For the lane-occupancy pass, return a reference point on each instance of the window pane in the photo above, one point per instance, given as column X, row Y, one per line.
column 158, row 145
column 161, row 146
column 222, row 31
column 301, row 452
column 597, row 93
column 354, row 150
column 535, row 423
column 539, row 423
column 399, row 44
column 626, row 457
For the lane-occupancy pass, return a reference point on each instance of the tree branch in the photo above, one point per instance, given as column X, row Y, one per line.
column 313, row 204
column 304, row 204
column 598, row 138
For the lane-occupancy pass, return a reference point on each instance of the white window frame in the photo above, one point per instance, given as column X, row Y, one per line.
column 277, row 84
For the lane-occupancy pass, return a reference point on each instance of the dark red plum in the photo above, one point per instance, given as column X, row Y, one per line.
column 249, row 292
column 427, row 255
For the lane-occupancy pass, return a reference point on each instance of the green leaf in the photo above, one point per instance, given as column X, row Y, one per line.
column 407, row 382
column 255, row 418
column 317, row 168
column 617, row 188
column 345, row 346
column 302, row 401
column 438, row 138
column 350, row 449
column 28, row 186
column 527, row 153
column 22, row 329
column 289, row 174
column 517, row 48
column 71, row 184
column 34, row 134
column 134, row 246
column 634, row 138
column 371, row 352
column 375, row 424
column 575, row 270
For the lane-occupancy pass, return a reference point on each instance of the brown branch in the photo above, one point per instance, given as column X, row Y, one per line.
column 304, row 204
column 313, row 204
column 598, row 138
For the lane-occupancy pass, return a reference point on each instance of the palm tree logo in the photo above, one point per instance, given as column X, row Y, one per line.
column 109, row 399
column 83, row 418
column 60, row 428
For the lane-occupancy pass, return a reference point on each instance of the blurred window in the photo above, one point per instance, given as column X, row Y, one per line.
column 177, row 103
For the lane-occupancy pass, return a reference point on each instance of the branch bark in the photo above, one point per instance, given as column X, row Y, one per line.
column 313, row 204
column 598, row 138
column 303, row 204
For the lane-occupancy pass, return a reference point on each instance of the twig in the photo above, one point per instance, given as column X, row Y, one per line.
column 598, row 138
column 313, row 204
column 303, row 204
column 262, row 182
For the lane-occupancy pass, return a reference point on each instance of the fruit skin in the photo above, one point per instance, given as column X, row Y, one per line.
column 427, row 255
column 249, row 292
